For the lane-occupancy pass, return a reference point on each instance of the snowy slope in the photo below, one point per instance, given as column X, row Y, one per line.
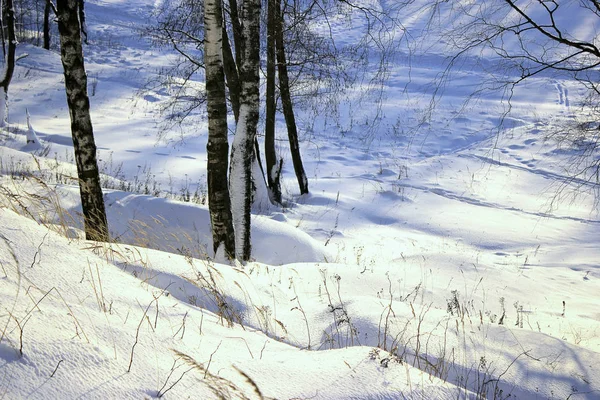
column 97, row 324
column 438, row 236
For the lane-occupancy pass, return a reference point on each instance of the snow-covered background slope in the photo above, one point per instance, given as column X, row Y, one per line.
column 429, row 263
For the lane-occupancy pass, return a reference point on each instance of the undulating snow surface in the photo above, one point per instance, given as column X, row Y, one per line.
column 430, row 263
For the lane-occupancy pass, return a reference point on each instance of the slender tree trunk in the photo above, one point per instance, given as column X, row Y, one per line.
column 82, row 23
column 92, row 202
column 2, row 7
column 9, row 60
column 47, row 12
column 245, row 134
column 273, row 165
column 238, row 39
column 286, row 102
column 219, row 202
column 232, row 69
column 233, row 64
column 232, row 75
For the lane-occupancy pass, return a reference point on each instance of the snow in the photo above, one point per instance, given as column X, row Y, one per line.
column 443, row 254
column 31, row 135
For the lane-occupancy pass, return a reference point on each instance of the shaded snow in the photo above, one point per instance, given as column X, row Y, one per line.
column 439, row 239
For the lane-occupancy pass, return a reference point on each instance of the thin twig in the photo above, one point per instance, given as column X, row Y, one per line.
column 210, row 359
column 56, row 369
column 137, row 331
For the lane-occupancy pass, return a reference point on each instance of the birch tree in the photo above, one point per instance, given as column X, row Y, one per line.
column 240, row 179
column 273, row 163
column 8, row 22
column 92, row 202
column 233, row 64
column 295, row 51
column 219, row 203
column 286, row 100
column 49, row 9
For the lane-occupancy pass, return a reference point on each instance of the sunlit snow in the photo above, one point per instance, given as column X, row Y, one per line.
column 439, row 254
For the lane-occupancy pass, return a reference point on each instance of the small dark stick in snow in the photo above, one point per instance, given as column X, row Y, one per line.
column 31, row 135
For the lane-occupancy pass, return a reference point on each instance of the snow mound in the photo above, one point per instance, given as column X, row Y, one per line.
column 184, row 228
column 76, row 324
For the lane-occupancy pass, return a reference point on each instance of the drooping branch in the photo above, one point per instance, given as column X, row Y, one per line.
column 557, row 36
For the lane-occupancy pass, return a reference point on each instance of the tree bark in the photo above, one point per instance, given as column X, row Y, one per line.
column 238, row 39
column 233, row 79
column 82, row 23
column 92, row 202
column 232, row 75
column 242, row 149
column 47, row 12
column 219, row 202
column 232, row 66
column 286, row 101
column 9, row 60
column 273, row 166
column 2, row 30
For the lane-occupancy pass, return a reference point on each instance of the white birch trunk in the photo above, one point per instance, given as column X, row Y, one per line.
column 237, row 182
column 92, row 201
column 217, row 147
column 242, row 152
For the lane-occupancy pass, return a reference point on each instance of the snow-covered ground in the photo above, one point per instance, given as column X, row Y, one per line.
column 430, row 263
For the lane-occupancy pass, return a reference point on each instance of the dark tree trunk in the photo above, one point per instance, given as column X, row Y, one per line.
column 47, row 25
column 245, row 135
column 9, row 18
column 273, row 166
column 233, row 83
column 219, row 202
column 47, row 12
column 83, row 25
column 2, row 31
column 286, row 102
column 9, row 58
column 236, row 24
column 232, row 75
column 92, row 202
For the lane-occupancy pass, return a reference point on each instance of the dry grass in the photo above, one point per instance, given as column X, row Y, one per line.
column 405, row 339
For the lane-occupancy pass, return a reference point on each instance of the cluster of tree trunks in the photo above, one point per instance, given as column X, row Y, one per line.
column 218, row 145
column 232, row 71
column 240, row 71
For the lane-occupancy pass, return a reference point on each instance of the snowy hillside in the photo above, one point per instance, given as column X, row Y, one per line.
column 442, row 253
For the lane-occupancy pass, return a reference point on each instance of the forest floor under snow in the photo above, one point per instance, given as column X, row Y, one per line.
column 452, row 261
